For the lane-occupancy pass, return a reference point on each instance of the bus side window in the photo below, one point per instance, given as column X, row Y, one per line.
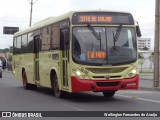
column 18, row 47
column 36, row 44
column 55, row 37
column 30, row 43
column 46, row 38
column 24, row 43
column 15, row 46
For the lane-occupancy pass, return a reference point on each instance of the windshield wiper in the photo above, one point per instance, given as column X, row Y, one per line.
column 97, row 35
column 116, row 36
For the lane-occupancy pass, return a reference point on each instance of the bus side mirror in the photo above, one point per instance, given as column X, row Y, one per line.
column 138, row 31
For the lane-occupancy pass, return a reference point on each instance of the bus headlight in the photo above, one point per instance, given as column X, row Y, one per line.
column 132, row 73
column 80, row 74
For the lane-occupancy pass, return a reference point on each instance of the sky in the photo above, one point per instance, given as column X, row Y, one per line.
column 16, row 13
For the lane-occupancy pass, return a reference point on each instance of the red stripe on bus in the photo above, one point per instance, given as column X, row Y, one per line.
column 104, row 85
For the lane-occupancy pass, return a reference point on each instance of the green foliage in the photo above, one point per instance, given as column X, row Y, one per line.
column 140, row 56
column 145, row 48
column 6, row 50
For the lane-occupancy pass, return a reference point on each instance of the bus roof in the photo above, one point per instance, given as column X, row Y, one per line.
column 51, row 20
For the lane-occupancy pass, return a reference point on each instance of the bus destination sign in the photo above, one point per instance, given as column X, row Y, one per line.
column 102, row 18
column 94, row 18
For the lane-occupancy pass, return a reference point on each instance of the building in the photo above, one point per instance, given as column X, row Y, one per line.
column 144, row 43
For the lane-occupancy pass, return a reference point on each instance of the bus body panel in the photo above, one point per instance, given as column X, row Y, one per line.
column 28, row 66
column 44, row 69
column 46, row 64
column 25, row 62
column 16, row 65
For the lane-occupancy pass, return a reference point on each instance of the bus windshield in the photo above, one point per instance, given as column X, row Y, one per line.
column 109, row 49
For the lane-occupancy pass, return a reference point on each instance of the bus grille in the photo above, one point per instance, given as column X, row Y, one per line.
column 111, row 77
column 107, row 70
column 107, row 84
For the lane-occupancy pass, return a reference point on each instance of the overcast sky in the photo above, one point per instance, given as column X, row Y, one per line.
column 16, row 13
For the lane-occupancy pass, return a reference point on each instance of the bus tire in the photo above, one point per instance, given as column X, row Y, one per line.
column 108, row 94
column 32, row 86
column 25, row 83
column 57, row 93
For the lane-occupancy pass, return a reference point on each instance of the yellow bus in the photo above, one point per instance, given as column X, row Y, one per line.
column 79, row 51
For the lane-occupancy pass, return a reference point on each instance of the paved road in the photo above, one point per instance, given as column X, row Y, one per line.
column 145, row 83
column 14, row 98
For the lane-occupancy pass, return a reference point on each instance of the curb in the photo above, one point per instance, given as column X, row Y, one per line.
column 149, row 88
column 145, row 79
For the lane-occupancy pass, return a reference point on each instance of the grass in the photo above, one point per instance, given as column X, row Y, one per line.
column 145, row 72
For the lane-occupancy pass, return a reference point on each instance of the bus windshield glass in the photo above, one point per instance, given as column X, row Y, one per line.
column 109, row 49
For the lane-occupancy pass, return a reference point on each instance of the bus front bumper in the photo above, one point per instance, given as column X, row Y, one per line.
column 104, row 85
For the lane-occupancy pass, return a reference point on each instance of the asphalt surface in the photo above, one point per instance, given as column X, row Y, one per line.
column 14, row 98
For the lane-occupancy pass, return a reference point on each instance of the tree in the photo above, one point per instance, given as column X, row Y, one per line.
column 5, row 50
column 145, row 48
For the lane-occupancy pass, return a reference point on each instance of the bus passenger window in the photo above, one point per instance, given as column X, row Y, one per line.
column 46, row 39
column 30, row 43
column 15, row 46
column 18, row 47
column 24, row 43
column 55, row 37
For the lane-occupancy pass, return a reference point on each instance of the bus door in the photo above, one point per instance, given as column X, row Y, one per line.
column 64, row 45
column 36, row 59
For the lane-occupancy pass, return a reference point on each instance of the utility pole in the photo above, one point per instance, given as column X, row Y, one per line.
column 156, row 46
column 31, row 2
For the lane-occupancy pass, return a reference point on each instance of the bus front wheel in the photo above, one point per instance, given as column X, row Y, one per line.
column 27, row 85
column 108, row 93
column 57, row 92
